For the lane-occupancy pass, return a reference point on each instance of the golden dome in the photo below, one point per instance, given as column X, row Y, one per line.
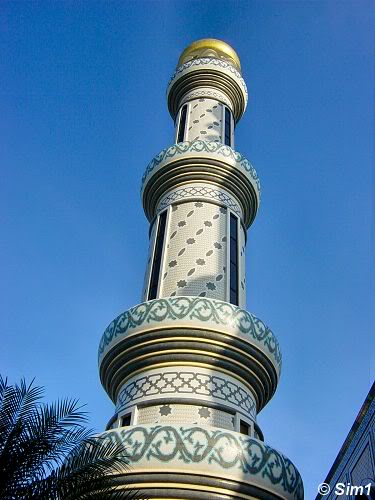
column 210, row 47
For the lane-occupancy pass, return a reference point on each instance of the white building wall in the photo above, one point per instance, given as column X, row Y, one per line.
column 205, row 121
column 196, row 253
column 196, row 249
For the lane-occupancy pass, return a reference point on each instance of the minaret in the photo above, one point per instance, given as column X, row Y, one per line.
column 189, row 368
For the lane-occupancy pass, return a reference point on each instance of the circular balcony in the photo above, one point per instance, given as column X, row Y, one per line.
column 208, row 74
column 195, row 462
column 201, row 161
column 190, row 331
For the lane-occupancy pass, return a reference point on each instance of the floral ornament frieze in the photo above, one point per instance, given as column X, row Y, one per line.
column 205, row 61
column 210, row 450
column 200, row 146
column 211, row 312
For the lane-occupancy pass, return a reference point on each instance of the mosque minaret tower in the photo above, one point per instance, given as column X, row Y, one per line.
column 189, row 368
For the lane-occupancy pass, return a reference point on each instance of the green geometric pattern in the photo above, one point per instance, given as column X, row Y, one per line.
column 200, row 146
column 194, row 308
column 209, row 60
column 228, row 450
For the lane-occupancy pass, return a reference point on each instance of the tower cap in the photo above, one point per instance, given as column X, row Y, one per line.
column 210, row 47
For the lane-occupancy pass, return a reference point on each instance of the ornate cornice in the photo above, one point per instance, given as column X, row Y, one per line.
column 211, row 453
column 204, row 61
column 201, row 161
column 200, row 311
column 202, row 147
column 204, row 72
column 192, row 330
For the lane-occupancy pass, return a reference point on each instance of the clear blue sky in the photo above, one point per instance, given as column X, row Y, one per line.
column 83, row 110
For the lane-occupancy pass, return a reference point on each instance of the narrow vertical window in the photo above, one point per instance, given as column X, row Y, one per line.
column 182, row 124
column 233, row 256
column 155, row 272
column 228, row 128
column 244, row 428
column 125, row 421
column 151, row 228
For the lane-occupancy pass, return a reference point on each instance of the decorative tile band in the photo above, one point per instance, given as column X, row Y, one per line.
column 203, row 147
column 210, row 312
column 204, row 61
column 213, row 451
column 199, row 191
column 185, row 383
column 172, row 413
column 208, row 93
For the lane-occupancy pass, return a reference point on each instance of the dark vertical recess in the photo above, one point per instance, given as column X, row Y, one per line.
column 182, row 124
column 244, row 428
column 125, row 421
column 233, row 255
column 157, row 257
column 228, row 128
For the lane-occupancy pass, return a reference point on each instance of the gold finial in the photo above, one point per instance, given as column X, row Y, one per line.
column 210, row 47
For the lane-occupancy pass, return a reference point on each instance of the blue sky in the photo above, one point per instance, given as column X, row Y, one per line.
column 83, row 111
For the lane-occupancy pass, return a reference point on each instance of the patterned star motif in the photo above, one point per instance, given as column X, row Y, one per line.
column 165, row 410
column 211, row 286
column 204, row 412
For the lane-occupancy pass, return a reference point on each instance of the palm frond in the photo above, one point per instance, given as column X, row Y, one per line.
column 46, row 453
column 87, row 473
column 17, row 402
column 48, row 435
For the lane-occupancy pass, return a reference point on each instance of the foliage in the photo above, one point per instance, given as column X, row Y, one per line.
column 47, row 453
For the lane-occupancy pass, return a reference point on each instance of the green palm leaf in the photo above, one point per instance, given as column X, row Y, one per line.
column 46, row 453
